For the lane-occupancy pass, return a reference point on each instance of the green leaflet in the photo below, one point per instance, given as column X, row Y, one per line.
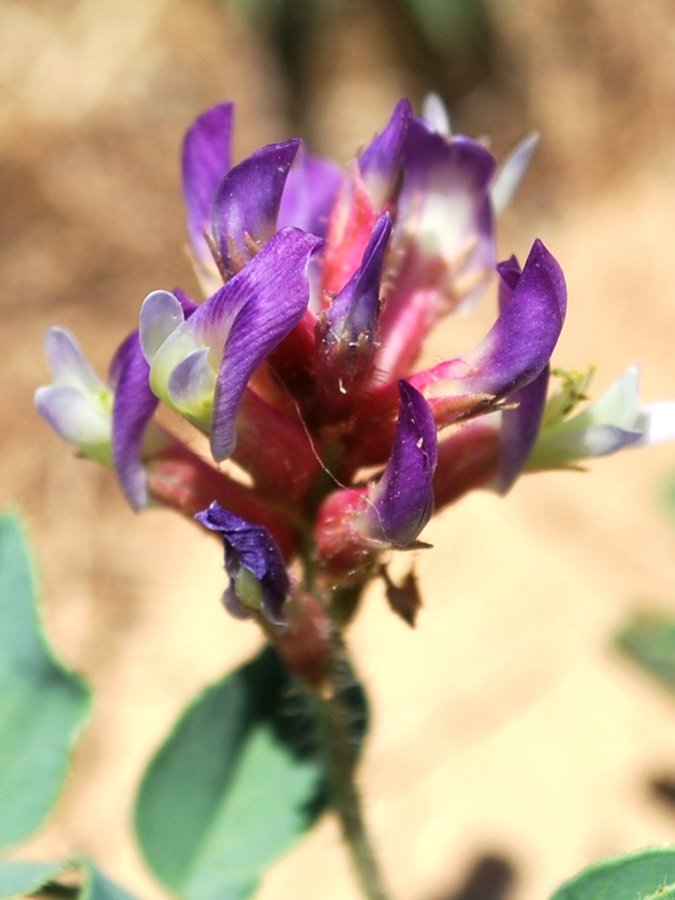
column 21, row 879
column 236, row 784
column 644, row 875
column 42, row 704
column 649, row 640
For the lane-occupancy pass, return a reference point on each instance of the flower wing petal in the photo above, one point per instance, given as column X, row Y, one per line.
column 402, row 502
column 309, row 193
column 514, row 352
column 270, row 297
column 512, row 171
column 247, row 203
column 133, row 408
column 68, row 364
column 355, row 309
column 519, row 430
column 381, row 161
column 657, row 422
column 205, row 162
column 76, row 418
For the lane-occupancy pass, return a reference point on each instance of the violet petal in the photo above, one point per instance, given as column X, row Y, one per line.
column 444, row 205
column 381, row 161
column 205, row 162
column 133, row 408
column 251, row 548
column 514, row 352
column 247, row 203
column 355, row 309
column 520, row 343
column 248, row 317
column 402, row 502
column 519, row 430
column 309, row 193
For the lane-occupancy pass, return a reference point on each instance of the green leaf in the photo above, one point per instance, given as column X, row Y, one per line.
column 643, row 875
column 19, row 879
column 42, row 704
column 97, row 886
column 22, row 879
column 236, row 784
column 649, row 640
column 664, row 893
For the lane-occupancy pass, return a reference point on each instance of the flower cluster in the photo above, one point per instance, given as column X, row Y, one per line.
column 300, row 367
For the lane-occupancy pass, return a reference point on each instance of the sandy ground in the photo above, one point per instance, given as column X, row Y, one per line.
column 503, row 724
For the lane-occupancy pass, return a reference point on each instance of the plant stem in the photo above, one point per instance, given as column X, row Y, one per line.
column 334, row 734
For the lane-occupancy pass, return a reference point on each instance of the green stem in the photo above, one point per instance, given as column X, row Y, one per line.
column 334, row 734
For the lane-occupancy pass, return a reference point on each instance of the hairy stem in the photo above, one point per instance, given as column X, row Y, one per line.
column 336, row 743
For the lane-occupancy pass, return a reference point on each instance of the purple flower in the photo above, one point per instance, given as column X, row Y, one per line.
column 258, row 577
column 200, row 365
column 323, row 285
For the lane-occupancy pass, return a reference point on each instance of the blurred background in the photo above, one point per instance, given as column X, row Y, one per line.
column 509, row 746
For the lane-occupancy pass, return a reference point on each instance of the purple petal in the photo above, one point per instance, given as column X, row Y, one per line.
column 509, row 276
column 402, row 502
column 206, row 161
column 309, row 194
column 253, row 548
column 133, row 409
column 247, row 203
column 516, row 350
column 520, row 430
column 520, row 343
column 355, row 309
column 380, row 163
column 444, row 205
column 254, row 311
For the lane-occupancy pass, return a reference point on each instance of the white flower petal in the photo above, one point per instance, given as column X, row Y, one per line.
column 435, row 113
column 78, row 418
column 511, row 172
column 191, row 387
column 657, row 423
column 68, row 365
column 178, row 345
column 161, row 314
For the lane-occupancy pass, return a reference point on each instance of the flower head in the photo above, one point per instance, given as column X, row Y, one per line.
column 301, row 365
